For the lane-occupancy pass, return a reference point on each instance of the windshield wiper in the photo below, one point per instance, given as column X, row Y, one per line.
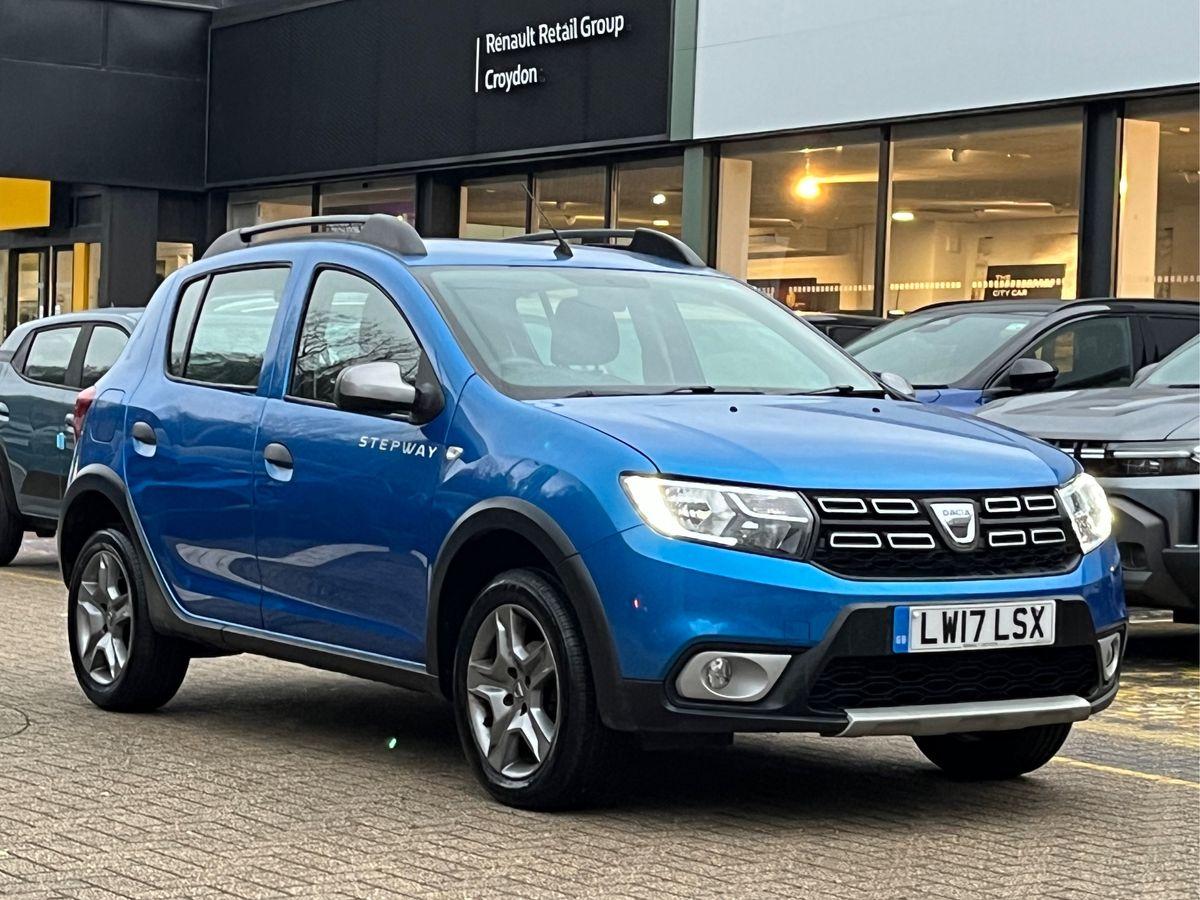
column 840, row 390
column 1182, row 386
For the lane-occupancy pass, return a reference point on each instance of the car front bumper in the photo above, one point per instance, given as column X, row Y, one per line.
column 836, row 637
column 1155, row 526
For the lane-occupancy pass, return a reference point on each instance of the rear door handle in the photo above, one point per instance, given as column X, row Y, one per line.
column 279, row 461
column 144, row 434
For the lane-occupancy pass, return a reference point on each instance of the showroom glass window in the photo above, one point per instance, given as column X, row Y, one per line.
column 1158, row 230
column 272, row 205
column 492, row 208
column 390, row 196
column 649, row 194
column 985, row 209
column 572, row 198
column 797, row 219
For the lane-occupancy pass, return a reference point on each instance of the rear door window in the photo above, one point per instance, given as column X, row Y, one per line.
column 232, row 328
column 49, row 357
column 1088, row 353
column 103, row 349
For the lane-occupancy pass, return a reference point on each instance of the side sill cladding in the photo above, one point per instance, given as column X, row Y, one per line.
column 515, row 516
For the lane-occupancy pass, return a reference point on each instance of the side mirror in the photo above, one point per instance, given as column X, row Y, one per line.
column 1027, row 375
column 1144, row 372
column 374, row 387
column 897, row 383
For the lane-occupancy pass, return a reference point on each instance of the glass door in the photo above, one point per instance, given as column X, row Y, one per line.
column 29, row 275
column 64, row 281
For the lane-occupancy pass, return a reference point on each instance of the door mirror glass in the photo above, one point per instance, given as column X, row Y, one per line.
column 374, row 387
column 897, row 383
column 1027, row 375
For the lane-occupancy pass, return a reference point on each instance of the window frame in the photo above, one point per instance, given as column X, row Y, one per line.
column 92, row 327
column 318, row 270
column 1137, row 343
column 74, row 364
column 207, row 278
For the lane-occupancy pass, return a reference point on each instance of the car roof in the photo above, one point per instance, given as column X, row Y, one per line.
column 841, row 318
column 1050, row 307
column 125, row 315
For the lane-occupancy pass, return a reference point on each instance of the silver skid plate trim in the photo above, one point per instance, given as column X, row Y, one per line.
column 948, row 718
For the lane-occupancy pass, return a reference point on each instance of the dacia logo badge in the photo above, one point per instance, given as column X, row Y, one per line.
column 957, row 520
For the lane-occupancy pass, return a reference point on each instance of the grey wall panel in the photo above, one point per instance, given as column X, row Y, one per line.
column 89, row 125
column 60, row 31
column 169, row 42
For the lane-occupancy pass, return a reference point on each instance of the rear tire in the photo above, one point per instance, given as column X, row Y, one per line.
column 994, row 755
column 12, row 528
column 122, row 664
column 513, row 702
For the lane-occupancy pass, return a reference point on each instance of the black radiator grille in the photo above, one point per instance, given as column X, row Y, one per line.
column 874, row 535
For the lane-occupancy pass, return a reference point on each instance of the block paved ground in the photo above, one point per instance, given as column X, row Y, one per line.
column 263, row 779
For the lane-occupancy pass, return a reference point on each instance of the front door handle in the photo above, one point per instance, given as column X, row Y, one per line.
column 3, row 412
column 279, row 463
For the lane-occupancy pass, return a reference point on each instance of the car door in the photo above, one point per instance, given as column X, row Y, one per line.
column 38, row 448
column 189, row 450
column 1090, row 352
column 342, row 550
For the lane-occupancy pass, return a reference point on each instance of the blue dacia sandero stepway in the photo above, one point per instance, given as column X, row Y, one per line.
column 586, row 492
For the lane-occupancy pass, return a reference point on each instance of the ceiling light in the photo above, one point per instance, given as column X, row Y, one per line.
column 903, row 215
column 661, row 223
column 659, row 199
column 807, row 188
column 1183, row 129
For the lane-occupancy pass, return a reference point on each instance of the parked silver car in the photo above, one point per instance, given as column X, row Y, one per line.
column 1143, row 443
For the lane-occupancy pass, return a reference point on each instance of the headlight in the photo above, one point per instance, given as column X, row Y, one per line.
column 745, row 518
column 1087, row 507
column 1152, row 458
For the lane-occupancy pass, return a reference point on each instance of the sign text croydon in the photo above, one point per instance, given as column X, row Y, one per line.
column 545, row 34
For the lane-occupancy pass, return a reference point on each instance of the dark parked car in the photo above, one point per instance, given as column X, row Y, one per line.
column 842, row 328
column 967, row 353
column 1143, row 444
column 43, row 366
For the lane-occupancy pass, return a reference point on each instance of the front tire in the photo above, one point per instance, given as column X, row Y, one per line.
column 994, row 755
column 121, row 663
column 524, row 698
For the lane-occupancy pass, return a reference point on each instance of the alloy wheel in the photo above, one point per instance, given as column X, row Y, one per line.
column 512, row 692
column 104, row 618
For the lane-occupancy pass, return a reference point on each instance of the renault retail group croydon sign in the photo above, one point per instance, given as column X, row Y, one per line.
column 341, row 89
column 505, row 77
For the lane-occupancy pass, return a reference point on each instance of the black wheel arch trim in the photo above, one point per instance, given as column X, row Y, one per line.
column 520, row 517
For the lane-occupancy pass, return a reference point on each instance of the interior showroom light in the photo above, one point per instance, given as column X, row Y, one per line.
column 659, row 199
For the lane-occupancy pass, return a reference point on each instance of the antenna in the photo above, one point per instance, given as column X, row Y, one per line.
column 563, row 250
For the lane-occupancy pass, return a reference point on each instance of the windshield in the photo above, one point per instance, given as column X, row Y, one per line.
column 539, row 332
column 1180, row 369
column 938, row 351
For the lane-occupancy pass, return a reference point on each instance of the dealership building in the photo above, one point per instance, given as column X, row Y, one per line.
column 857, row 155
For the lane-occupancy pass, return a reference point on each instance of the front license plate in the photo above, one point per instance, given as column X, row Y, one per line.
column 979, row 626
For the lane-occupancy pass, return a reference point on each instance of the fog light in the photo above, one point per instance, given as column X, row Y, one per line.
column 730, row 675
column 1110, row 655
column 716, row 674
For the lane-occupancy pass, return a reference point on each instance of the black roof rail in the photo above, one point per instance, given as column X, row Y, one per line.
column 388, row 232
column 646, row 241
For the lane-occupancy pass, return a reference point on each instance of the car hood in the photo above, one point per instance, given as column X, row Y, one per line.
column 1102, row 415
column 820, row 442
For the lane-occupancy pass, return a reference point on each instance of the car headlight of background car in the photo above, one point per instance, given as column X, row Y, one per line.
column 1148, row 458
column 743, row 518
column 1087, row 508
